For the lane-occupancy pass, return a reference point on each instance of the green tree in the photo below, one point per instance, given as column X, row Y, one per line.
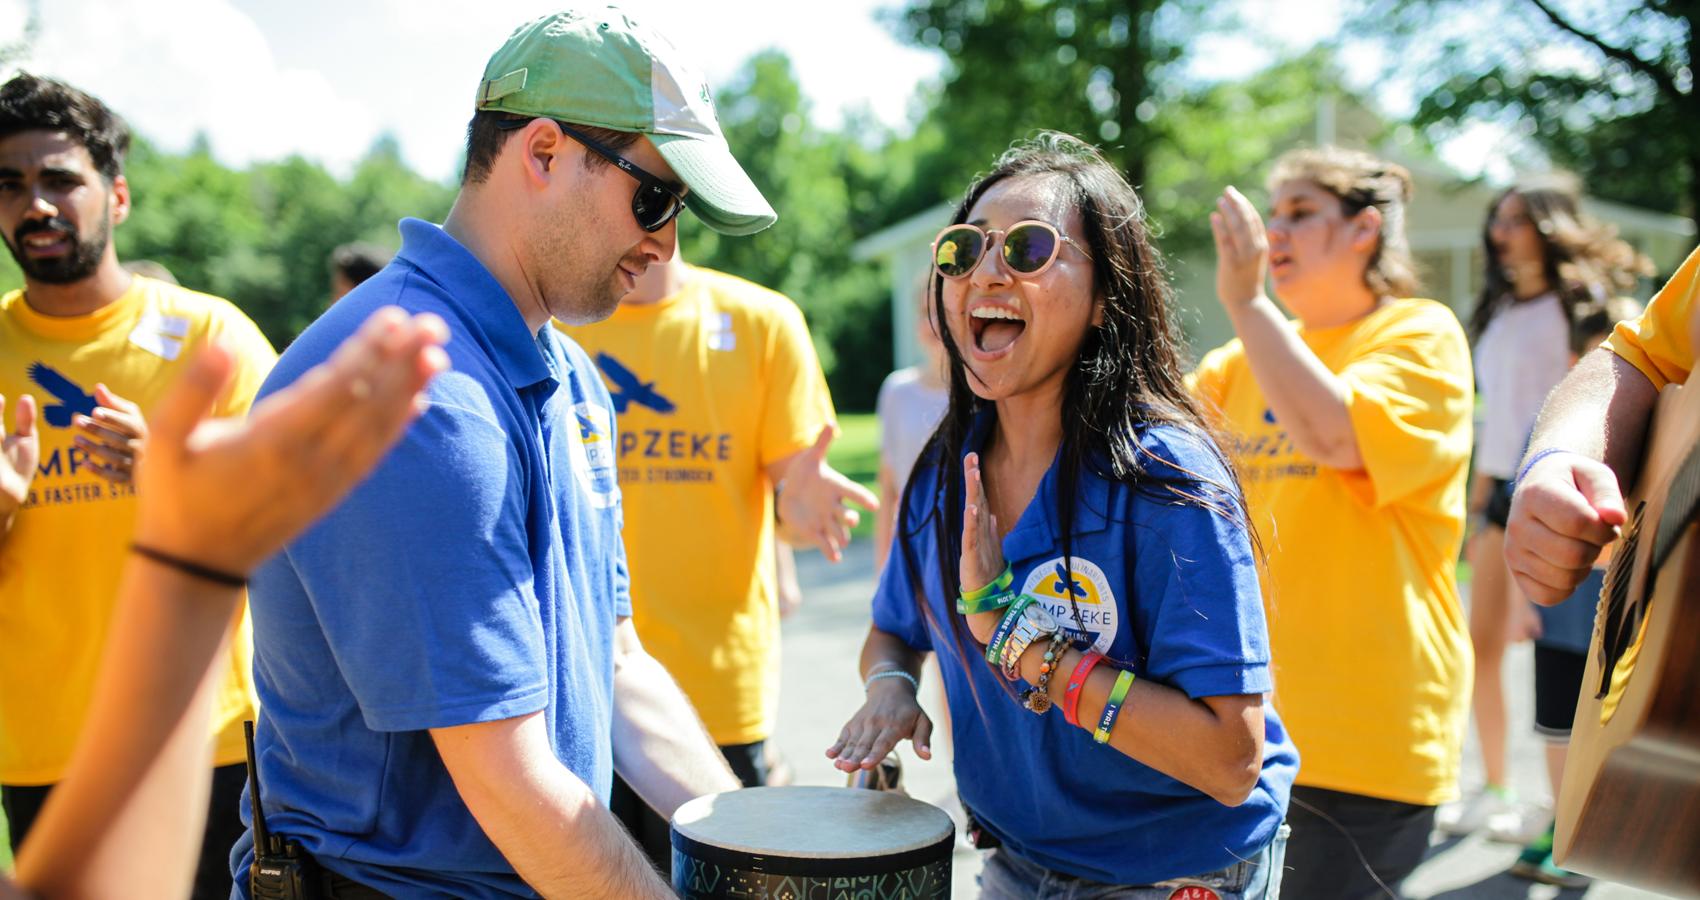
column 1604, row 87
column 818, row 182
column 1091, row 68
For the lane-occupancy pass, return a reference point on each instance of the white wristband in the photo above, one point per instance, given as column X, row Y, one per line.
column 894, row 673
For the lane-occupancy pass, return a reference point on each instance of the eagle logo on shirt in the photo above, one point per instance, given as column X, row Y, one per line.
column 72, row 399
column 626, row 388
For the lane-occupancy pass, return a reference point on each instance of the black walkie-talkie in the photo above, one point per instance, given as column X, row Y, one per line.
column 281, row 869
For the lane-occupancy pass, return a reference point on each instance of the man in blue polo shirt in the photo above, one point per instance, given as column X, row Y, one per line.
column 446, row 664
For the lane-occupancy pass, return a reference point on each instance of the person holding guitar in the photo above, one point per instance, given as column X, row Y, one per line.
column 1568, row 504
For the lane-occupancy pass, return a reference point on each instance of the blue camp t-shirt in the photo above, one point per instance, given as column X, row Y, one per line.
column 477, row 575
column 1168, row 585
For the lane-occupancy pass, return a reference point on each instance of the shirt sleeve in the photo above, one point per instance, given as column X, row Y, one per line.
column 1409, row 395
column 422, row 580
column 1199, row 604
column 1209, row 382
column 895, row 608
column 254, row 360
column 1657, row 343
column 798, row 402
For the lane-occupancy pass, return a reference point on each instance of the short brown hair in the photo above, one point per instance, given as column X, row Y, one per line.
column 1361, row 181
column 485, row 137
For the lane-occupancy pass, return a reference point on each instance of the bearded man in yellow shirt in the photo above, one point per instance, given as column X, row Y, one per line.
column 720, row 401
column 80, row 337
column 1569, row 503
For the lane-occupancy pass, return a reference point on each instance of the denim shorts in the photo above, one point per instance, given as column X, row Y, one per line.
column 1009, row 877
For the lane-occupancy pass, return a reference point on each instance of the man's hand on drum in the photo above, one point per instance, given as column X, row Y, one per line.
column 810, row 506
column 111, row 436
column 982, row 550
column 1566, row 510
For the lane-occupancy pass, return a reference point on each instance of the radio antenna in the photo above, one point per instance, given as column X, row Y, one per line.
column 262, row 836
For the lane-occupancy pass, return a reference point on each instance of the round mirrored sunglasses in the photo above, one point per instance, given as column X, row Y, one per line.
column 1028, row 248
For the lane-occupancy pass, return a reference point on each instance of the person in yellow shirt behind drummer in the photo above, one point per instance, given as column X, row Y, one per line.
column 86, row 350
column 1351, row 429
column 724, row 422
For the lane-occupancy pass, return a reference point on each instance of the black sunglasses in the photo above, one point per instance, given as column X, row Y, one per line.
column 654, row 205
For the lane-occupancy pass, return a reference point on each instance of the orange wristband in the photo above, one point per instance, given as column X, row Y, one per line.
column 1077, row 680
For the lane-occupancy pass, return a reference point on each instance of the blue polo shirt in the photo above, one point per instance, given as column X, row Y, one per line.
column 1167, row 585
column 477, row 575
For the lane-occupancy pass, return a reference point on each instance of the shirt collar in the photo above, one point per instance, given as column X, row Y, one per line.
column 470, row 286
column 1038, row 532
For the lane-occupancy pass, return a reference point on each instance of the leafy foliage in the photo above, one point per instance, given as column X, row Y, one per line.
column 1603, row 87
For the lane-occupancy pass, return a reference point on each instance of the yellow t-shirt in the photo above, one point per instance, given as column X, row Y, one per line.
column 710, row 386
column 60, row 564
column 1657, row 343
column 1371, row 650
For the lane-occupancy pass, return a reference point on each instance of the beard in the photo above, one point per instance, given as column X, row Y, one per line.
column 577, row 276
column 80, row 263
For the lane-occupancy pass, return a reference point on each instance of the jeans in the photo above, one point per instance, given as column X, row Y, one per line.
column 1009, row 877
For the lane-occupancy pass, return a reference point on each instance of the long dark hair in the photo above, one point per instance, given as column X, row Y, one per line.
column 1583, row 260
column 1127, row 377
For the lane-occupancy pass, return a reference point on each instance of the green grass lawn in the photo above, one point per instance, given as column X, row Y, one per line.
column 856, row 454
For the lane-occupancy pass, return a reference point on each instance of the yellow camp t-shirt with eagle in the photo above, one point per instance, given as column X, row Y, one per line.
column 60, row 563
column 710, row 386
column 1370, row 647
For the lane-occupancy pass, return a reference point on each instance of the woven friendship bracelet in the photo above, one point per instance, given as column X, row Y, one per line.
column 1113, row 707
column 190, row 568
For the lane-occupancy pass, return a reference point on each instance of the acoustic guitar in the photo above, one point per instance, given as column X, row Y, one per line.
column 1629, row 807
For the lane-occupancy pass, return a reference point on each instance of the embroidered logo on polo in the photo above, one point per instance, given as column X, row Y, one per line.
column 593, row 455
column 1089, row 589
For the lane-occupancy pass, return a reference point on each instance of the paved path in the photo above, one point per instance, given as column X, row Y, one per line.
column 820, row 692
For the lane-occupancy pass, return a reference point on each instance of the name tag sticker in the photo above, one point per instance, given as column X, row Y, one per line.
column 160, row 334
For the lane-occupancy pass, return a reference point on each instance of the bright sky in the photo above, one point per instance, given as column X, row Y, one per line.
column 324, row 78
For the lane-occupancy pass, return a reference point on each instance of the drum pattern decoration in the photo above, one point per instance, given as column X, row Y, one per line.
column 811, row 843
column 698, row 880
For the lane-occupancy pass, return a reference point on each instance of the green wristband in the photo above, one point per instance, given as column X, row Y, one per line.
column 1006, row 627
column 997, row 586
column 993, row 603
column 1113, row 706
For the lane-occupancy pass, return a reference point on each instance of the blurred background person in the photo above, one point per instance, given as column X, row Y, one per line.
column 147, row 268
column 353, row 263
column 911, row 402
column 97, row 346
column 225, row 493
column 724, row 420
column 1544, row 261
column 1352, row 431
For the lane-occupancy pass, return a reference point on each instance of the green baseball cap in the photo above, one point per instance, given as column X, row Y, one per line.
column 602, row 68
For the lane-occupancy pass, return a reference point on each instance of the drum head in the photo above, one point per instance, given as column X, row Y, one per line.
column 813, row 822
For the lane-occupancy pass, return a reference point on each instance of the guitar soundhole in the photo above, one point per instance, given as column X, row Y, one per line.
column 1619, row 631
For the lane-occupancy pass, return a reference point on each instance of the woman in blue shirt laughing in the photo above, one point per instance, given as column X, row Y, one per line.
column 1073, row 544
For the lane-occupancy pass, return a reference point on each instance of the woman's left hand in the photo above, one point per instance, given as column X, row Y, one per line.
column 1242, row 249
column 982, row 549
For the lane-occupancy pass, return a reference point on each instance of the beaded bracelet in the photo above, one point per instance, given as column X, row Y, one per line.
column 1077, row 680
column 1011, row 616
column 1037, row 698
column 1113, row 707
column 891, row 673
